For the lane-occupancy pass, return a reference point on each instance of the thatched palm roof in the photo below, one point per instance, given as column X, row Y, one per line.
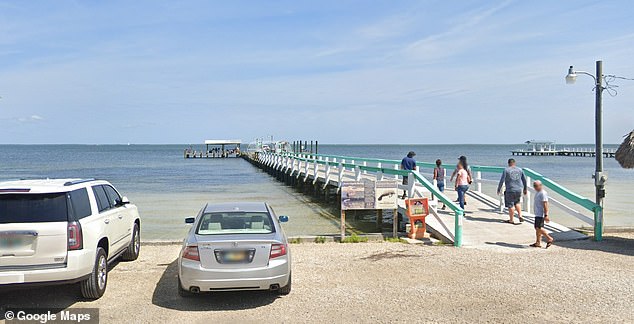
column 625, row 153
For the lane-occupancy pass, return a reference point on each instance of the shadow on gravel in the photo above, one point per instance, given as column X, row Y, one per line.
column 610, row 244
column 54, row 298
column 166, row 295
column 390, row 255
column 508, row 245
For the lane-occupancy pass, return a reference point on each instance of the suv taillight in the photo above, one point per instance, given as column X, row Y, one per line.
column 277, row 250
column 75, row 239
column 191, row 253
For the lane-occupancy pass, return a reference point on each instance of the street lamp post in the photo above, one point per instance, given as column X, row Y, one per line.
column 600, row 177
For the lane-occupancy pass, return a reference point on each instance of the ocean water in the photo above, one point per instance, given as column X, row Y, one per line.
column 168, row 188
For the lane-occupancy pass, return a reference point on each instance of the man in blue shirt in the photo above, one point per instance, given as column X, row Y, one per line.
column 514, row 180
column 408, row 163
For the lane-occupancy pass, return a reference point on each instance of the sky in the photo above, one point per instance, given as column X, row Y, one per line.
column 424, row 72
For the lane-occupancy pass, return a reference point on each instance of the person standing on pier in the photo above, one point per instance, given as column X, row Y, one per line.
column 439, row 176
column 408, row 163
column 515, row 181
column 541, row 215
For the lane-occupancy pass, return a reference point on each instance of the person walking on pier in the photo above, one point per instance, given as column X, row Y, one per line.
column 515, row 181
column 541, row 215
column 462, row 183
column 408, row 163
column 462, row 159
column 439, row 176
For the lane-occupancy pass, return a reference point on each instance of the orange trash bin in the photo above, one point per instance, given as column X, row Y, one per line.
column 417, row 210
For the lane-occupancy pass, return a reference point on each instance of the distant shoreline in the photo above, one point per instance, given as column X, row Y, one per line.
column 320, row 144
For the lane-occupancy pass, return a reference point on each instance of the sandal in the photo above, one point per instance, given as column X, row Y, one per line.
column 548, row 244
column 509, row 222
column 535, row 245
column 521, row 219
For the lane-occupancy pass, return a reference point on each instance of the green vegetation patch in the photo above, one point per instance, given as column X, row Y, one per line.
column 354, row 238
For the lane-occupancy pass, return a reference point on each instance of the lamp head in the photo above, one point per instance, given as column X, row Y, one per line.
column 571, row 77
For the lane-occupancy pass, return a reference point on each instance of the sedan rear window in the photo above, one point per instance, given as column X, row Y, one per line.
column 33, row 208
column 235, row 223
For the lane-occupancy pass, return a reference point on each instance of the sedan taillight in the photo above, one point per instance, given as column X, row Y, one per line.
column 75, row 240
column 277, row 250
column 191, row 253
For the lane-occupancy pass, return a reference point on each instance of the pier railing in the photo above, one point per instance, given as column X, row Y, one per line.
column 573, row 201
column 338, row 165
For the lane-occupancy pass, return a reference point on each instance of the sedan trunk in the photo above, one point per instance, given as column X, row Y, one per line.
column 235, row 252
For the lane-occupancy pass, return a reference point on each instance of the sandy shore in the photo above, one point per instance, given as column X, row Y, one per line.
column 580, row 281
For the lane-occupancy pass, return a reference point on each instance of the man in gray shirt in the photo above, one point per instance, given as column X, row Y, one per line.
column 541, row 215
column 515, row 181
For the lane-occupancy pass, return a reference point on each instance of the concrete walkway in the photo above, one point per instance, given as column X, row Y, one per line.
column 484, row 225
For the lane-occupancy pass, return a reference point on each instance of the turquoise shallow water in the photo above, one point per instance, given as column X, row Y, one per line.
column 168, row 188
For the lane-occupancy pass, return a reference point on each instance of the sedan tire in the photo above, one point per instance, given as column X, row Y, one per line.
column 182, row 292
column 286, row 289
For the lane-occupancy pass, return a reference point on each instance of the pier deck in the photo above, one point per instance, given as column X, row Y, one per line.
column 484, row 225
column 480, row 224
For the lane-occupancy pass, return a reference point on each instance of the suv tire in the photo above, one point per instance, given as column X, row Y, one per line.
column 286, row 289
column 95, row 286
column 132, row 252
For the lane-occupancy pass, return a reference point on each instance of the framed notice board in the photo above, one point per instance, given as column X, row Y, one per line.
column 367, row 194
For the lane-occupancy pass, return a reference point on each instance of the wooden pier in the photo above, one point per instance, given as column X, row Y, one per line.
column 215, row 149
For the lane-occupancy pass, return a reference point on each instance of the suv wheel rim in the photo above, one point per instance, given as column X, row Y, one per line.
column 102, row 272
column 137, row 242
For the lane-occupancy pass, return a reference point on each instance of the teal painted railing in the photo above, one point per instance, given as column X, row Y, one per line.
column 568, row 194
column 314, row 158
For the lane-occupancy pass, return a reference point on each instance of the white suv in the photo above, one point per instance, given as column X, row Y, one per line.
column 64, row 231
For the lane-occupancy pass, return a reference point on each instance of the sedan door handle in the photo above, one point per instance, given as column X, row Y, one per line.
column 107, row 221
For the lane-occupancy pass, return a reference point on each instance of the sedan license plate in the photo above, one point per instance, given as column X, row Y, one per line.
column 234, row 256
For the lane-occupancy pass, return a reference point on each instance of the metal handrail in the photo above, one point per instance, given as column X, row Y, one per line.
column 566, row 193
column 549, row 183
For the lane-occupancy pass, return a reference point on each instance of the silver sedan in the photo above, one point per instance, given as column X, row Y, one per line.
column 235, row 246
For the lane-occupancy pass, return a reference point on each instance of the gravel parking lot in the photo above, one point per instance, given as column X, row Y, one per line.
column 581, row 281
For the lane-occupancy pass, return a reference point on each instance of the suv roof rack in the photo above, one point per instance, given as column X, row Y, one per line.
column 74, row 182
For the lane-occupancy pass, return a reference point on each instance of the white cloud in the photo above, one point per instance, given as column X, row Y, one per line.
column 32, row 118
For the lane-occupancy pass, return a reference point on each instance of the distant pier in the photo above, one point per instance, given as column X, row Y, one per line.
column 579, row 152
column 548, row 148
column 215, row 149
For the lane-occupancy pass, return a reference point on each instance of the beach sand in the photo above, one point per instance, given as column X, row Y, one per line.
column 579, row 281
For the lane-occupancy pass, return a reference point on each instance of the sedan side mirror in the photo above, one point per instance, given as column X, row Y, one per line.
column 283, row 219
column 190, row 220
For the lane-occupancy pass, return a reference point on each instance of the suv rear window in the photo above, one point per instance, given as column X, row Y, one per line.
column 235, row 223
column 33, row 208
